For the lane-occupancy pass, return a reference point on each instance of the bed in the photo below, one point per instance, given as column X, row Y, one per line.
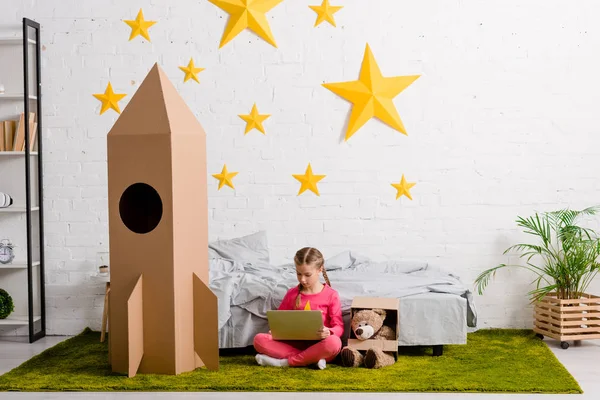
column 435, row 307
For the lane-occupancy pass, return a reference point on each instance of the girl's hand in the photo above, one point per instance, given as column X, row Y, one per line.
column 324, row 332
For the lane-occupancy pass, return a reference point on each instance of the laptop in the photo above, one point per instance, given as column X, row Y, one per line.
column 295, row 324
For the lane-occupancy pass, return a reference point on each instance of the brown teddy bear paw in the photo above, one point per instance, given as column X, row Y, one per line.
column 376, row 358
column 370, row 358
column 351, row 357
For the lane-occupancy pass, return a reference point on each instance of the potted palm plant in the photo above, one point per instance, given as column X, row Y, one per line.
column 565, row 261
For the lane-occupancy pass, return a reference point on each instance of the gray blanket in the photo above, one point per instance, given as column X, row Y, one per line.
column 241, row 275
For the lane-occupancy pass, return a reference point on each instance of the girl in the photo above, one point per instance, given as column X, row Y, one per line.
column 310, row 294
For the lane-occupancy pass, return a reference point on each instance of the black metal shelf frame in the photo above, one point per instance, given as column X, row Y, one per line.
column 34, row 335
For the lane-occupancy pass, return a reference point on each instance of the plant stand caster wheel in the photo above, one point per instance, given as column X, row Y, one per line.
column 564, row 345
column 539, row 336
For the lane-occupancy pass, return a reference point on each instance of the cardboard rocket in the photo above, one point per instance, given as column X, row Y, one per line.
column 163, row 316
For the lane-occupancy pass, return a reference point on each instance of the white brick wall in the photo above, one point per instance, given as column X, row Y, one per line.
column 503, row 121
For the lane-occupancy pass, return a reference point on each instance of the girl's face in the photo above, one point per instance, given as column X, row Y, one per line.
column 308, row 275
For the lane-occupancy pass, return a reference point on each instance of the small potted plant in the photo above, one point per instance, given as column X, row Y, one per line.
column 6, row 304
column 565, row 261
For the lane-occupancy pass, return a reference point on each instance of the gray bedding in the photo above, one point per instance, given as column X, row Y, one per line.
column 247, row 285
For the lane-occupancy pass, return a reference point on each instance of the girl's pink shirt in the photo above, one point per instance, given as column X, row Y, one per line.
column 327, row 301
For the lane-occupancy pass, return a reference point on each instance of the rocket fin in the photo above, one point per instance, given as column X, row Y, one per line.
column 135, row 327
column 206, row 325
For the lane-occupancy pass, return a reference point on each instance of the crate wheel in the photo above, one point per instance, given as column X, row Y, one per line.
column 539, row 336
column 564, row 345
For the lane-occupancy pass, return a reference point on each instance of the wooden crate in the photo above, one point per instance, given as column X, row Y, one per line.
column 575, row 319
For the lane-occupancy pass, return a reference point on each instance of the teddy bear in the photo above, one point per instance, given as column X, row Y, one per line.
column 368, row 324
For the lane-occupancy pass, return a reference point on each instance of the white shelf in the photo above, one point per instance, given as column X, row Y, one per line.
column 16, row 96
column 17, row 265
column 101, row 278
column 17, row 209
column 14, row 40
column 16, row 153
column 18, row 320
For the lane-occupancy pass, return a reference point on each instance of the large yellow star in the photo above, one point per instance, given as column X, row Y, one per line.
column 403, row 188
column 225, row 177
column 372, row 95
column 309, row 181
column 139, row 26
column 191, row 71
column 254, row 120
column 247, row 14
column 109, row 99
column 325, row 12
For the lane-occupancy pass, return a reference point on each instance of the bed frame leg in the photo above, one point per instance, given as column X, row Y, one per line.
column 438, row 350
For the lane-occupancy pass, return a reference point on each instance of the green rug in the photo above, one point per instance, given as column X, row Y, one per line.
column 492, row 361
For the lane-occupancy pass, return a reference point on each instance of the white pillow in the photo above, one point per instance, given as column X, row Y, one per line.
column 252, row 248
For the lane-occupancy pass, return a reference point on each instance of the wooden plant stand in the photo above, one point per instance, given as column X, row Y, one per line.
column 576, row 319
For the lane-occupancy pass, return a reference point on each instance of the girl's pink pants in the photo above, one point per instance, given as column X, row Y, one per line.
column 298, row 353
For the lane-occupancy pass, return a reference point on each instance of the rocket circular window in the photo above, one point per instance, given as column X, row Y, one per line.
column 140, row 208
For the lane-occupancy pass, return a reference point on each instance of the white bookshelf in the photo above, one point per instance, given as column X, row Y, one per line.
column 23, row 226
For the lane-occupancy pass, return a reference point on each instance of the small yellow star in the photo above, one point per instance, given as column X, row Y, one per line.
column 109, row 99
column 191, row 71
column 139, row 26
column 372, row 95
column 225, row 177
column 325, row 12
column 249, row 14
column 403, row 188
column 309, row 181
column 254, row 120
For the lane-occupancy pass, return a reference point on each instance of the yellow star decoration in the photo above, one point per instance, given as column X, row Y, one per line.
column 325, row 12
column 191, row 71
column 139, row 26
column 254, row 120
column 109, row 99
column 225, row 177
column 307, row 306
column 309, row 181
column 247, row 14
column 372, row 95
column 403, row 188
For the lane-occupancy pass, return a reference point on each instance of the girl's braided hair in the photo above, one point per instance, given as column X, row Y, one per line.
column 309, row 256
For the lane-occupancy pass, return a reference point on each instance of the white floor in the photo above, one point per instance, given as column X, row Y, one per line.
column 582, row 361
